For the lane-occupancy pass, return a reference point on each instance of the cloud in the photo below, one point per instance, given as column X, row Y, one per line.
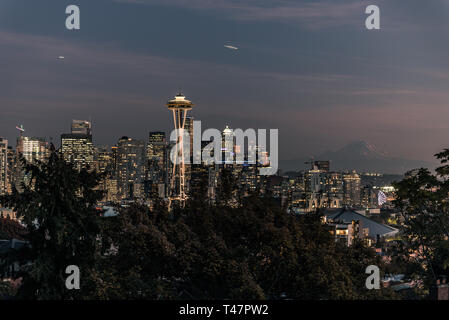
column 312, row 14
column 125, row 92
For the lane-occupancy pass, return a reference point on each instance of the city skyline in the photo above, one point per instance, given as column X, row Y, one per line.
column 289, row 71
column 208, row 152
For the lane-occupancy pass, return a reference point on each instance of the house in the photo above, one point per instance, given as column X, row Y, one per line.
column 367, row 228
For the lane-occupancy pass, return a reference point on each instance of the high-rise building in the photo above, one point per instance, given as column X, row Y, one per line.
column 352, row 189
column 157, row 145
column 130, row 168
column 189, row 128
column 227, row 147
column 156, row 171
column 334, row 188
column 368, row 197
column 12, row 170
column 33, row 149
column 104, row 164
column 322, row 165
column 114, row 156
column 103, row 159
column 188, row 166
column 3, row 166
column 81, row 127
column 77, row 148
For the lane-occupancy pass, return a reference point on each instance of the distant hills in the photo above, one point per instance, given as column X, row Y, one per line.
column 363, row 157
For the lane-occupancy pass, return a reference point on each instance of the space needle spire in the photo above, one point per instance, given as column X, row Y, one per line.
column 179, row 107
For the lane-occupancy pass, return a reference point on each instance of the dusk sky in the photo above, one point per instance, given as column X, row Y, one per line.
column 308, row 68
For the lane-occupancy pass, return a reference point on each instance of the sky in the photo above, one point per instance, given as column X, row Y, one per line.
column 308, row 68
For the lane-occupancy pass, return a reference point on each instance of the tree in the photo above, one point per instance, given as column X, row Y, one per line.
column 256, row 251
column 251, row 251
column 422, row 198
column 58, row 207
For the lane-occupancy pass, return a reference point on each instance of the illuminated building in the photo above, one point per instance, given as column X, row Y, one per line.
column 189, row 128
column 352, row 189
column 8, row 214
column 344, row 232
column 33, row 149
column 323, row 166
column 156, row 176
column 11, row 158
column 363, row 227
column 81, row 127
column 228, row 142
column 3, row 166
column 368, row 197
column 156, row 148
column 130, row 168
column 77, row 148
column 104, row 164
column 334, row 189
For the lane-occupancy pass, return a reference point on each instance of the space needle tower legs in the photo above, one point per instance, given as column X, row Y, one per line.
column 179, row 106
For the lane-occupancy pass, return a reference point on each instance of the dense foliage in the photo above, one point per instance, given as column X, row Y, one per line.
column 251, row 249
column 57, row 204
column 422, row 198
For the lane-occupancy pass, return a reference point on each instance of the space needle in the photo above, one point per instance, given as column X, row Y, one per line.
column 179, row 106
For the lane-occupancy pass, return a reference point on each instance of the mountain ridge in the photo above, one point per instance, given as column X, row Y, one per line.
column 361, row 156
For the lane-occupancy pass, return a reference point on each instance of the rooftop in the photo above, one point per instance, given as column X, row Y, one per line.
column 375, row 229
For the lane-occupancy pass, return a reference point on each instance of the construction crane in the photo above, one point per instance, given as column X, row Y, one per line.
column 21, row 129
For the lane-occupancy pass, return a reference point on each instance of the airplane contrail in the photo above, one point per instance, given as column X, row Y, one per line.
column 231, row 47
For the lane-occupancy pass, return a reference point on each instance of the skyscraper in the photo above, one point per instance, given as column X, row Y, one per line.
column 228, row 146
column 3, row 166
column 156, row 176
column 189, row 128
column 77, row 147
column 130, row 168
column 33, row 149
column 156, row 147
column 12, row 170
column 81, row 127
column 334, row 188
column 104, row 164
column 352, row 189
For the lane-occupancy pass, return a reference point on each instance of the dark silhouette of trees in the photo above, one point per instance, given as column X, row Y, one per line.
column 422, row 198
column 58, row 207
column 254, row 252
column 251, row 251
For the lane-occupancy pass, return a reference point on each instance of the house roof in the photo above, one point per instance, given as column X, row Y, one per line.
column 348, row 215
